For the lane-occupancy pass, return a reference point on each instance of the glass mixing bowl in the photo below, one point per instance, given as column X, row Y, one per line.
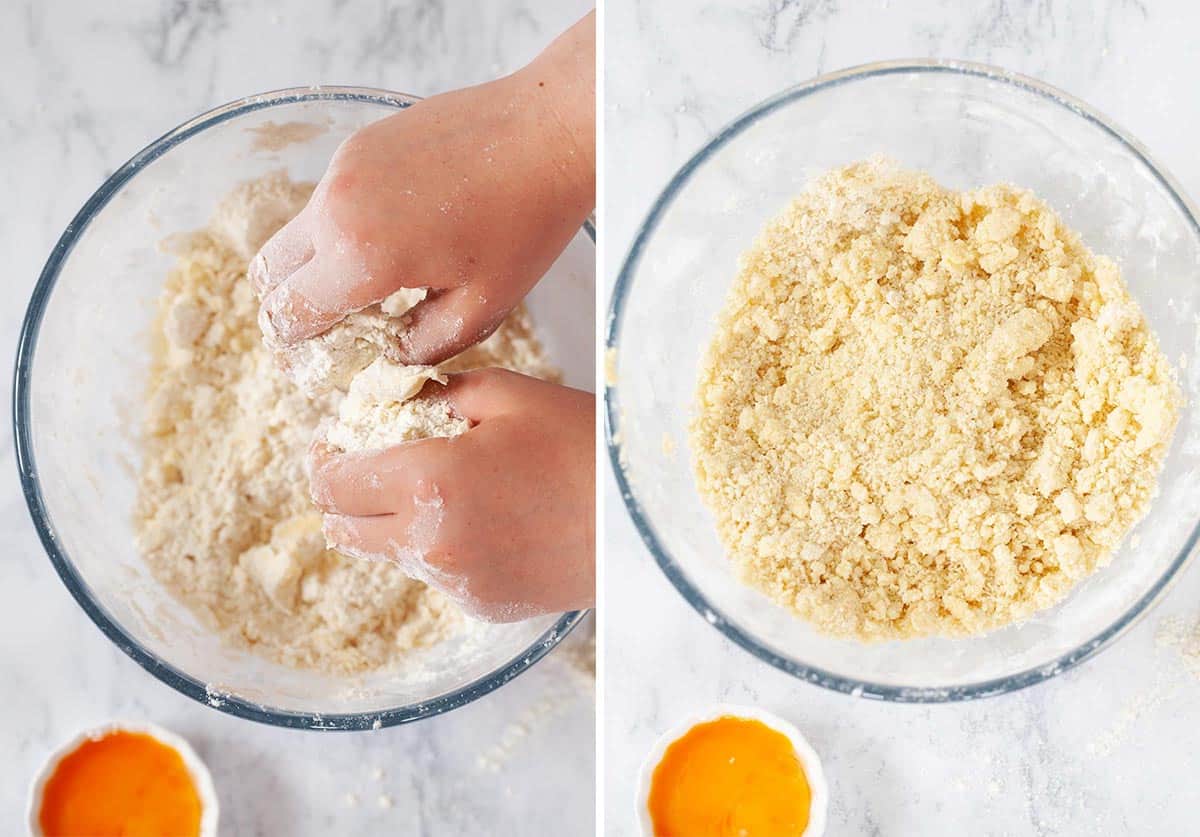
column 80, row 377
column 968, row 125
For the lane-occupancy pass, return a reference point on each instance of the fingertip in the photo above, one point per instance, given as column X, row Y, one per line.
column 343, row 534
column 320, row 487
column 257, row 274
column 337, row 529
column 288, row 315
column 478, row 394
column 346, row 483
column 319, row 449
column 285, row 252
column 447, row 323
column 428, row 342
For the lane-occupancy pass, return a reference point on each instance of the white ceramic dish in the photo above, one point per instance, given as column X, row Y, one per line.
column 818, row 810
column 199, row 772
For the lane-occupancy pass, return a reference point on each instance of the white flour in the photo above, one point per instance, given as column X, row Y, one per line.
column 379, row 410
column 330, row 361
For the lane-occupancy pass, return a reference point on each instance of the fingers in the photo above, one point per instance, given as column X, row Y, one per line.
column 366, row 538
column 483, row 394
column 317, row 296
column 406, row 539
column 380, row 482
column 449, row 322
column 282, row 255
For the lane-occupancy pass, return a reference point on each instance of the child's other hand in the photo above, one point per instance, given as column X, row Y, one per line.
column 501, row 518
column 471, row 194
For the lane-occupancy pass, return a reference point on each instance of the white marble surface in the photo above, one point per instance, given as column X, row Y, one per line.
column 85, row 85
column 1109, row 748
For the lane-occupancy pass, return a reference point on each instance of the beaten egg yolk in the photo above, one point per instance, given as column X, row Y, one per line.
column 124, row 783
column 732, row 777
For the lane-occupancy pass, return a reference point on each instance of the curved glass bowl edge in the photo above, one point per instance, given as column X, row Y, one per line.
column 731, row 630
column 30, row 487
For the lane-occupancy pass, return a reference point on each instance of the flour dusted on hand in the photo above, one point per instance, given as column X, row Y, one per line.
column 223, row 516
column 926, row 412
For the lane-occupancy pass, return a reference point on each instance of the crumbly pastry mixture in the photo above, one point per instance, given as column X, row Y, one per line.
column 926, row 412
column 223, row 515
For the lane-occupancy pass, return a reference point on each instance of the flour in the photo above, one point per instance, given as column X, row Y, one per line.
column 1183, row 636
column 223, row 517
column 926, row 412
column 252, row 212
column 1174, row 634
column 276, row 136
column 380, row 411
column 330, row 361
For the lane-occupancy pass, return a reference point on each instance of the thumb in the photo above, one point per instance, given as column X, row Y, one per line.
column 449, row 322
column 318, row 295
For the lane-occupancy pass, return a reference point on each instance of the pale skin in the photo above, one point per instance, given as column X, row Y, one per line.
column 471, row 194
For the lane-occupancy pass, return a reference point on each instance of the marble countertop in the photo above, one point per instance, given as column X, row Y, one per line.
column 85, row 86
column 1107, row 748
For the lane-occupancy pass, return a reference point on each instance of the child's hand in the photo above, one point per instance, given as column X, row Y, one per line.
column 471, row 194
column 501, row 518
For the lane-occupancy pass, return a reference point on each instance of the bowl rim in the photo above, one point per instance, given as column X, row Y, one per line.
column 31, row 488
column 732, row 631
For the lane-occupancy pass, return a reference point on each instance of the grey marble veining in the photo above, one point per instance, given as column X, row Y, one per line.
column 1110, row 747
column 84, row 86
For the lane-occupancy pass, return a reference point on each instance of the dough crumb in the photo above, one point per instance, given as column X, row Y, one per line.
column 381, row 409
column 330, row 361
column 926, row 412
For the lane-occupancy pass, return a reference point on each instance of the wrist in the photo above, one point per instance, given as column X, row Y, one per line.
column 557, row 92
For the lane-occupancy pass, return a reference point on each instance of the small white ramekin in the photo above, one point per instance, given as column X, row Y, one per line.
column 804, row 751
column 202, row 779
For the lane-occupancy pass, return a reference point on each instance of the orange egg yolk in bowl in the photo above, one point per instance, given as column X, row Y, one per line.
column 122, row 783
column 730, row 777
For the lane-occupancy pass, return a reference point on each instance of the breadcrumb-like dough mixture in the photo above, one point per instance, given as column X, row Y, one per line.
column 926, row 412
column 223, row 516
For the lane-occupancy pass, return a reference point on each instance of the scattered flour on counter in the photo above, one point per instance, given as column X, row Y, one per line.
column 577, row 654
column 1173, row 633
column 1127, row 719
column 926, row 412
column 223, row 517
column 1182, row 636
column 553, row 703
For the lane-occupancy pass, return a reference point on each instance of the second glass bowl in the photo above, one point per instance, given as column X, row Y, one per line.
column 968, row 125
